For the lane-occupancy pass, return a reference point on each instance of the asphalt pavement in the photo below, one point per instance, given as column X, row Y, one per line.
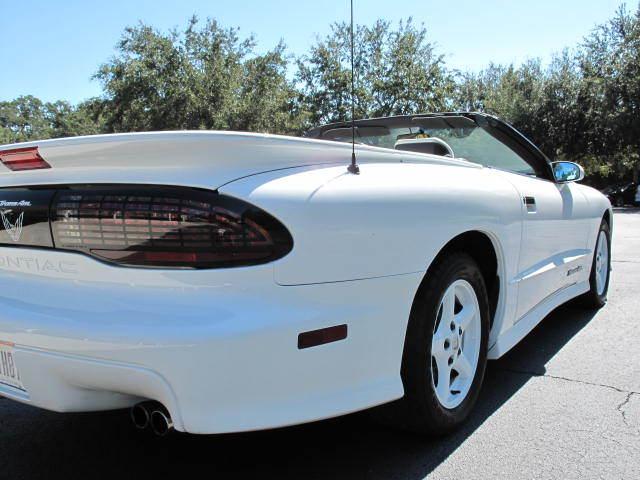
column 563, row 404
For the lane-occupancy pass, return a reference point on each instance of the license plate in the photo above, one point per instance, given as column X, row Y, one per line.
column 9, row 374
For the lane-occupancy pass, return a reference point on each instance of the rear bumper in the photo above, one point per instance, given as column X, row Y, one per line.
column 218, row 348
column 67, row 383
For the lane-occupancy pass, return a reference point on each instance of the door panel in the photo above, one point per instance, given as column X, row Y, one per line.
column 553, row 250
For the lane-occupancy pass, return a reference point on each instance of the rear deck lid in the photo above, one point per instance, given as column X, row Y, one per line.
column 197, row 159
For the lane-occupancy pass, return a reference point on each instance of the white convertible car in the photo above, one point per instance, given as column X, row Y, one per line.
column 223, row 282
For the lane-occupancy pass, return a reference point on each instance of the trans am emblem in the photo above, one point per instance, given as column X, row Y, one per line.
column 13, row 229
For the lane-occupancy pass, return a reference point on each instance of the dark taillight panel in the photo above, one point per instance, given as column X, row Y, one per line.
column 166, row 227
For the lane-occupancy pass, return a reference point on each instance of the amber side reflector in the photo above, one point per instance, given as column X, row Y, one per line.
column 27, row 158
column 322, row 336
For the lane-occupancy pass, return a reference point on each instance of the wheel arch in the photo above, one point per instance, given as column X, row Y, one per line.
column 485, row 248
column 608, row 218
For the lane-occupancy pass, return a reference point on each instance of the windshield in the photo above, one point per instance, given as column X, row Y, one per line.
column 465, row 138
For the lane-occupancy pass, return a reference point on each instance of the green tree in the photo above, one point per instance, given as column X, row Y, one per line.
column 396, row 72
column 28, row 118
column 203, row 78
column 584, row 106
column 610, row 65
column 23, row 119
column 267, row 100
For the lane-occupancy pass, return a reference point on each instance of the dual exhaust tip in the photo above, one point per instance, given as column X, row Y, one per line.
column 152, row 415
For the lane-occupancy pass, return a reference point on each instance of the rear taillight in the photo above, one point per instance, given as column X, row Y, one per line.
column 166, row 227
column 27, row 158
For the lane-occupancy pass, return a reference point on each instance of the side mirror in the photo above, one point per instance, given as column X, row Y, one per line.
column 565, row 172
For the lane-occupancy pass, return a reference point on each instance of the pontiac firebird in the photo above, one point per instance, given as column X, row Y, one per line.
column 224, row 282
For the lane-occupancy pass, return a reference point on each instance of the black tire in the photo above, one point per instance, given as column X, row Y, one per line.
column 420, row 410
column 592, row 299
column 619, row 202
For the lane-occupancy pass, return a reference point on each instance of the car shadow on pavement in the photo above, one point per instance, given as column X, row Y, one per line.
column 38, row 444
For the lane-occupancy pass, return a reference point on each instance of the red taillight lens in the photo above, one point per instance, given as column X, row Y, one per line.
column 27, row 158
column 166, row 227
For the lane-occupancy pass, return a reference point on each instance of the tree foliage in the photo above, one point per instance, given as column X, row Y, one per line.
column 28, row 118
column 584, row 105
column 610, row 67
column 203, row 78
column 396, row 72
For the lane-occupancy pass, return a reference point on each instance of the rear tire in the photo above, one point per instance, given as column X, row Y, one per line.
column 443, row 367
column 596, row 297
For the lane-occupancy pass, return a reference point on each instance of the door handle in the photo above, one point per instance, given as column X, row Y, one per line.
column 530, row 203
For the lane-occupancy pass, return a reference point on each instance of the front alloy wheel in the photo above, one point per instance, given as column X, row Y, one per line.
column 602, row 262
column 600, row 275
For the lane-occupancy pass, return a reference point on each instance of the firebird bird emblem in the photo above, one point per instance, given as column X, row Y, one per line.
column 14, row 230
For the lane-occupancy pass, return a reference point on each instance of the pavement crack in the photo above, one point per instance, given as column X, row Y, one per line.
column 533, row 373
column 621, row 408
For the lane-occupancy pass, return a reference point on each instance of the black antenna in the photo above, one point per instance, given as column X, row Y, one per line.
column 353, row 168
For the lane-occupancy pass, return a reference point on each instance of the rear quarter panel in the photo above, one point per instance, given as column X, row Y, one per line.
column 392, row 219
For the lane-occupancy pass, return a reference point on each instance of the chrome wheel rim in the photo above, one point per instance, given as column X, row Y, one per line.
column 602, row 262
column 455, row 345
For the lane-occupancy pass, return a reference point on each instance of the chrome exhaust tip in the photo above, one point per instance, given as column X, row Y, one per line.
column 140, row 415
column 161, row 423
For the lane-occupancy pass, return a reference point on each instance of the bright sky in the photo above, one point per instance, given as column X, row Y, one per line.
column 50, row 48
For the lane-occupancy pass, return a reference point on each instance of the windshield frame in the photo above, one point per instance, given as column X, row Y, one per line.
column 500, row 130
